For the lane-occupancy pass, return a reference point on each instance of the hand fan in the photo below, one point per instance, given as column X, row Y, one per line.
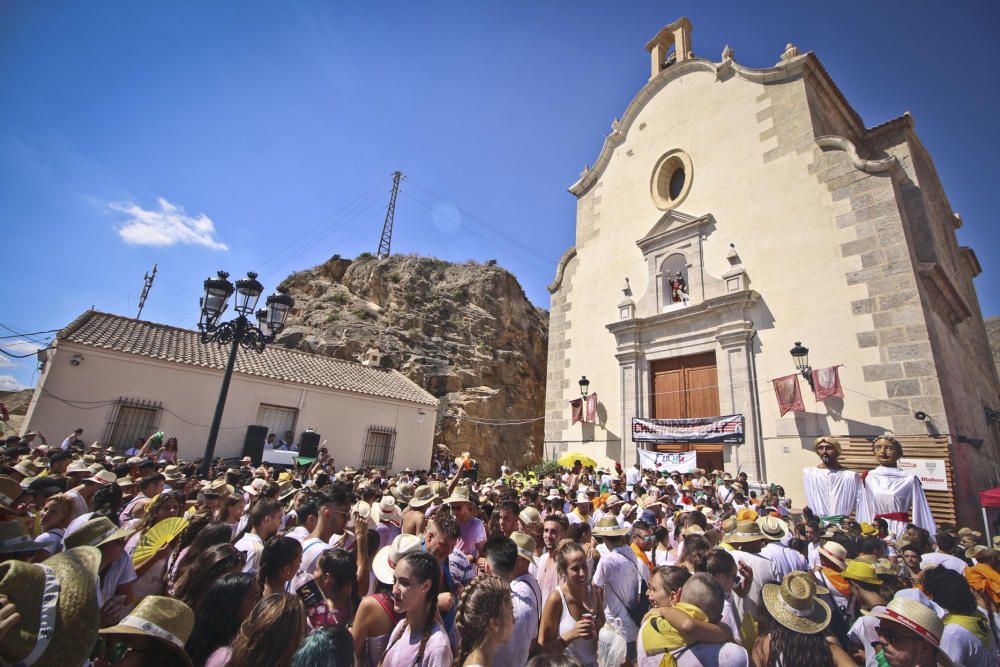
column 156, row 537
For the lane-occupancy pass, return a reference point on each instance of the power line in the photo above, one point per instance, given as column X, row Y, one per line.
column 32, row 333
column 482, row 222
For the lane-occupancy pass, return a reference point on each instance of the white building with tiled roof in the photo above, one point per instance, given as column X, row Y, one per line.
column 122, row 379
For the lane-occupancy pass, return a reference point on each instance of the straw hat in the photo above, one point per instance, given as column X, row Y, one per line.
column 164, row 619
column 627, row 510
column 384, row 564
column 693, row 529
column 582, row 498
column 793, row 603
column 77, row 467
column 75, row 612
column 529, row 516
column 835, row 552
column 861, row 571
column 607, row 526
column 388, row 510
column 96, row 532
column 255, row 487
column 10, row 489
column 868, row 530
column 14, row 538
column 246, row 459
column 173, row 473
column 525, row 545
column 459, row 495
column 102, row 477
column 422, row 497
column 439, row 489
column 745, row 531
column 919, row 618
column 773, row 528
column 403, row 492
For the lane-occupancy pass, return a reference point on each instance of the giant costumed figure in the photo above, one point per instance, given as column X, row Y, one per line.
column 893, row 494
column 832, row 491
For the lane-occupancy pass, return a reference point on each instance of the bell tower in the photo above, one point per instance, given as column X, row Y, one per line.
column 677, row 35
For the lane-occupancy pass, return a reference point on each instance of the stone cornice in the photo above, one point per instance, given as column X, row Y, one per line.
column 560, row 269
column 833, row 142
column 783, row 71
column 740, row 299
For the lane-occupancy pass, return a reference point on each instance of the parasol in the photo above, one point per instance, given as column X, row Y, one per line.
column 569, row 458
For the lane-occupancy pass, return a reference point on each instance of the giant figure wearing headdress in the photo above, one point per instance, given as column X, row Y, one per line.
column 832, row 491
column 893, row 494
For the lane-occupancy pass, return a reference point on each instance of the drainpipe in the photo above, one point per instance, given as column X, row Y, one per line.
column 758, row 427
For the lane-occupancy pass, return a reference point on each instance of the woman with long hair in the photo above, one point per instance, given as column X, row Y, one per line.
column 199, row 575
column 201, row 532
column 574, row 612
column 485, row 620
column 231, row 511
column 663, row 554
column 152, row 572
column 696, row 548
column 225, row 605
column 271, row 634
column 420, row 639
column 795, row 635
column 168, row 452
column 279, row 562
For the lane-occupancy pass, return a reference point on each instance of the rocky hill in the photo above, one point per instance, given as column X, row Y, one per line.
column 464, row 332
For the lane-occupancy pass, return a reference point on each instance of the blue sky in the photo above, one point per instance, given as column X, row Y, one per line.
column 261, row 135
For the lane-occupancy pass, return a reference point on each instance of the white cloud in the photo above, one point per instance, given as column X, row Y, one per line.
column 167, row 226
column 6, row 362
column 21, row 347
column 10, row 383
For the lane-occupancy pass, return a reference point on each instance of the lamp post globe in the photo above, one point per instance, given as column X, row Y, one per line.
column 239, row 332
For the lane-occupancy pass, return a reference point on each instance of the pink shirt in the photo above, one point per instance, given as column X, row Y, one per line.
column 472, row 532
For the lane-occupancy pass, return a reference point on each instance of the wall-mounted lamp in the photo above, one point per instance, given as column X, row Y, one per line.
column 584, row 386
column 76, row 360
column 800, row 354
column 992, row 416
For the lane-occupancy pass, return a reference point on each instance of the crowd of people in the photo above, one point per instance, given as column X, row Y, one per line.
column 133, row 558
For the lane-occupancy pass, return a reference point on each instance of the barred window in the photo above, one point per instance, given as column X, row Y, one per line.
column 380, row 447
column 131, row 419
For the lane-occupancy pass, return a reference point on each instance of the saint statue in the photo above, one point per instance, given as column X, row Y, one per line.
column 832, row 491
column 678, row 288
column 892, row 494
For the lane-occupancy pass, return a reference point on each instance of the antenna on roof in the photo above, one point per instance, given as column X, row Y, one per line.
column 147, row 282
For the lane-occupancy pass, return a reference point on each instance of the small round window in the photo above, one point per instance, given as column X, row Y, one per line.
column 671, row 179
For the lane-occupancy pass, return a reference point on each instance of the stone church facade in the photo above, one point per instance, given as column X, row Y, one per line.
column 788, row 220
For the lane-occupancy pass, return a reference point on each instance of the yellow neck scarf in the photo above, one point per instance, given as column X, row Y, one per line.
column 660, row 638
column 976, row 624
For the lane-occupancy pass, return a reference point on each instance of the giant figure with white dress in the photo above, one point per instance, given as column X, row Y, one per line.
column 832, row 491
column 893, row 494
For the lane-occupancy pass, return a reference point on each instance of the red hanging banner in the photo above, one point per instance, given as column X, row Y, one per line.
column 826, row 383
column 576, row 407
column 789, row 396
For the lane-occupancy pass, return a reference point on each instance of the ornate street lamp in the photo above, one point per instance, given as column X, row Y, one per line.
column 237, row 332
column 584, row 386
column 800, row 354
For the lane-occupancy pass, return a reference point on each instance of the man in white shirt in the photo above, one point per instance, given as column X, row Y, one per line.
column 618, row 574
column 945, row 543
column 746, row 541
column 72, row 439
column 633, row 475
column 726, row 493
column 509, row 559
column 831, row 489
column 785, row 559
column 265, row 520
column 967, row 638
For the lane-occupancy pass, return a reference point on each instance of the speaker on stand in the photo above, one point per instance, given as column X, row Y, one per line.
column 309, row 445
column 253, row 444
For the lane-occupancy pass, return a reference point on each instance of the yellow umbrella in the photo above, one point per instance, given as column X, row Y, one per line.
column 569, row 458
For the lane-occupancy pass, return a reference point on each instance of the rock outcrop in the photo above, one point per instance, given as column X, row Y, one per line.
column 465, row 332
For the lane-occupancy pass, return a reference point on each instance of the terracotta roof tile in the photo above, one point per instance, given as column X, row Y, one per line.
column 184, row 346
